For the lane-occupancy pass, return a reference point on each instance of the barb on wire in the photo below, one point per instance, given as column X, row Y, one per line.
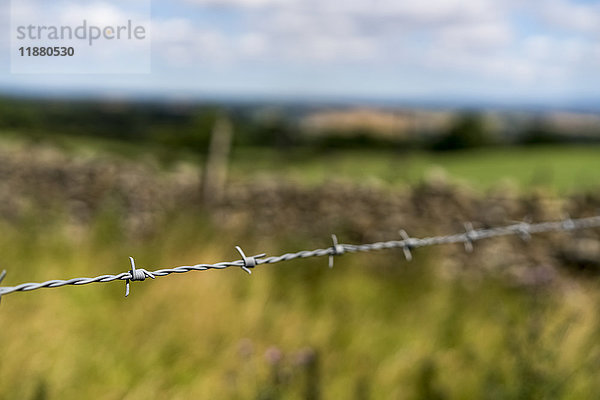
column 470, row 237
column 523, row 229
column 139, row 274
column 568, row 224
column 336, row 250
column 248, row 262
column 2, row 275
column 406, row 245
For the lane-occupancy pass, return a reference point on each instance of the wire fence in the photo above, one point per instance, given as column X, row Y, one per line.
column 407, row 244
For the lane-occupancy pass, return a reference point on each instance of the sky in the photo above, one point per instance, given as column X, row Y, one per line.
column 509, row 51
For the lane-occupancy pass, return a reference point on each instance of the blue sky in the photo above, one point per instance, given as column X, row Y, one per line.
column 539, row 51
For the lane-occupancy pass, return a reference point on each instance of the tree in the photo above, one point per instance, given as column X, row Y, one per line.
column 467, row 131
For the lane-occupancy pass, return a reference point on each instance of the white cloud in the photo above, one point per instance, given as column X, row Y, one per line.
column 174, row 30
column 439, row 12
column 430, row 11
column 99, row 13
column 315, row 48
column 477, row 40
column 182, row 44
column 539, row 61
column 237, row 3
column 571, row 55
column 362, row 31
column 477, row 36
column 253, row 44
column 575, row 17
column 285, row 36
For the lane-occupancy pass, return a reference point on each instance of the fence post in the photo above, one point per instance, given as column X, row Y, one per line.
column 214, row 174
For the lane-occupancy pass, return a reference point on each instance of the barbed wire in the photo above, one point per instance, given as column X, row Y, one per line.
column 407, row 244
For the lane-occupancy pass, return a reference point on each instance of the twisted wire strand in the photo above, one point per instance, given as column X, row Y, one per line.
column 523, row 229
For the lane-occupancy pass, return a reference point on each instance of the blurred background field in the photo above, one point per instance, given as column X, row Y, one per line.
column 301, row 143
column 512, row 320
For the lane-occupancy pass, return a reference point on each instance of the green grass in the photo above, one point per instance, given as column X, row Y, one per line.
column 373, row 327
column 564, row 169
column 561, row 168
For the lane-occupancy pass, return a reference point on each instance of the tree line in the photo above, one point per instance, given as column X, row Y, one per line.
column 189, row 126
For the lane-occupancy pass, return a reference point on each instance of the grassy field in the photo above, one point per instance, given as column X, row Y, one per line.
column 374, row 327
column 563, row 169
